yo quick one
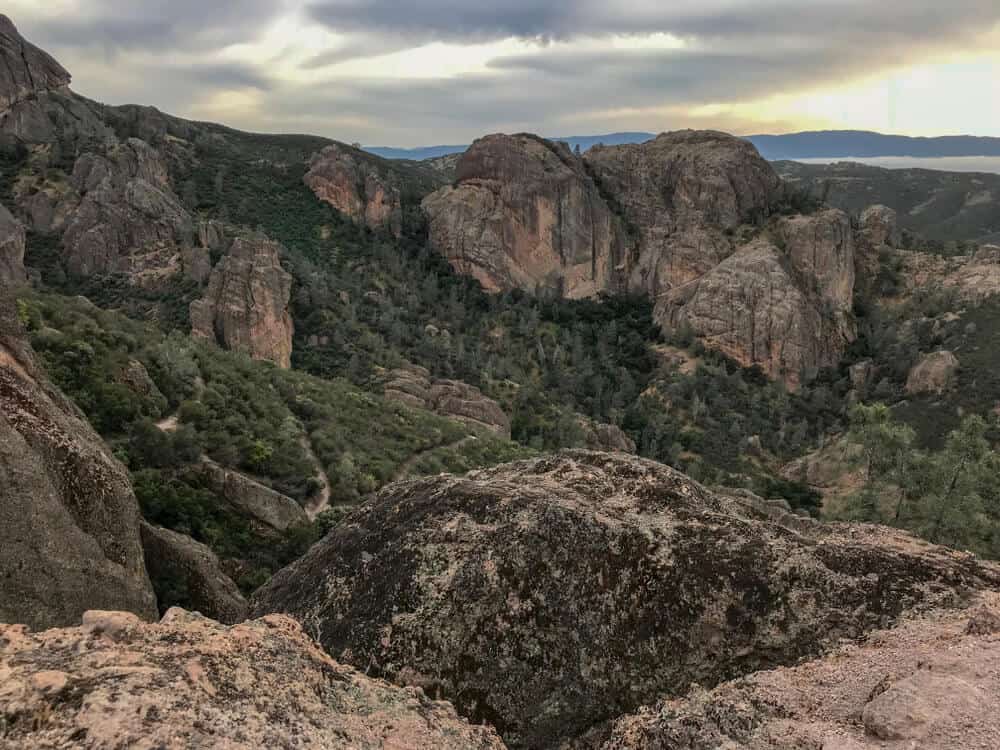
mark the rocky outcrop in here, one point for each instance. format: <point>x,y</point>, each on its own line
<point>186,572</point>
<point>933,373</point>
<point>835,471</point>
<point>413,385</point>
<point>679,219</point>
<point>69,521</point>
<point>684,193</point>
<point>12,240</point>
<point>245,306</point>
<point>36,104</point>
<point>253,499</point>
<point>922,685</point>
<point>524,214</point>
<point>353,183</point>
<point>189,682</point>
<point>753,308</point>
<point>877,233</point>
<point>548,596</point>
<point>128,219</point>
<point>606,437</point>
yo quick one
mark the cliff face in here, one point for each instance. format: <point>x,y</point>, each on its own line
<point>69,521</point>
<point>550,595</point>
<point>26,70</point>
<point>679,218</point>
<point>357,188</point>
<point>525,214</point>
<point>189,682</point>
<point>128,219</point>
<point>245,306</point>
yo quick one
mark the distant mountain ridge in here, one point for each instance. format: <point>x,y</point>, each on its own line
<point>832,144</point>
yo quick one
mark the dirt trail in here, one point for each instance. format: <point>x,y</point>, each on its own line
<point>321,501</point>
<point>407,466</point>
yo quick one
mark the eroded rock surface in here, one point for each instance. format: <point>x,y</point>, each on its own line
<point>245,306</point>
<point>414,386</point>
<point>525,214</point>
<point>183,569</point>
<point>69,521</point>
<point>933,682</point>
<point>12,239</point>
<point>189,682</point>
<point>354,185</point>
<point>548,596</point>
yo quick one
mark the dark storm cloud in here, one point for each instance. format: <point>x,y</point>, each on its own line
<point>457,20</point>
<point>167,25</point>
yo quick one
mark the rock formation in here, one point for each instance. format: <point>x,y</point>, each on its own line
<point>69,521</point>
<point>12,240</point>
<point>36,104</point>
<point>253,499</point>
<point>353,183</point>
<point>877,233</point>
<point>606,437</point>
<point>548,596</point>
<point>934,373</point>
<point>189,682</point>
<point>413,385</point>
<point>245,306</point>
<point>128,219</point>
<point>679,219</point>
<point>525,214</point>
<point>926,684</point>
<point>189,572</point>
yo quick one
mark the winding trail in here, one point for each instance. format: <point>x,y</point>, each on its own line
<point>321,501</point>
<point>407,466</point>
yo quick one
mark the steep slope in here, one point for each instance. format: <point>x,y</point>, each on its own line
<point>190,682</point>
<point>548,596</point>
<point>69,521</point>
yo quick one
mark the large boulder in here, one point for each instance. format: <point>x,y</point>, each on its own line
<point>550,595</point>
<point>933,373</point>
<point>26,71</point>
<point>187,572</point>
<point>12,241</point>
<point>524,213</point>
<point>253,499</point>
<point>922,685</point>
<point>189,682</point>
<point>69,521</point>
<point>353,183</point>
<point>245,306</point>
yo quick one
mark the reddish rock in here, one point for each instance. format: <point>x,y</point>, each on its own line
<point>355,185</point>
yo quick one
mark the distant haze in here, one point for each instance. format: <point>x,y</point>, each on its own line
<point>943,163</point>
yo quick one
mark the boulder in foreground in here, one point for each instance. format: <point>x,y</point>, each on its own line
<point>189,682</point>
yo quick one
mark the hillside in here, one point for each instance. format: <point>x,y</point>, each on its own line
<point>944,207</point>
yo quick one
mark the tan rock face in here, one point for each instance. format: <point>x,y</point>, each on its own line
<point>525,214</point>
<point>414,386</point>
<point>245,306</point>
<point>934,373</point>
<point>127,219</point>
<point>356,187</point>
<point>662,218</point>
<point>189,682</point>
<point>69,521</point>
<point>930,683</point>
<point>12,239</point>
<point>181,567</point>
<point>551,595</point>
<point>752,308</point>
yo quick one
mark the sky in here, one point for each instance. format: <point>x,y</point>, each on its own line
<point>424,72</point>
